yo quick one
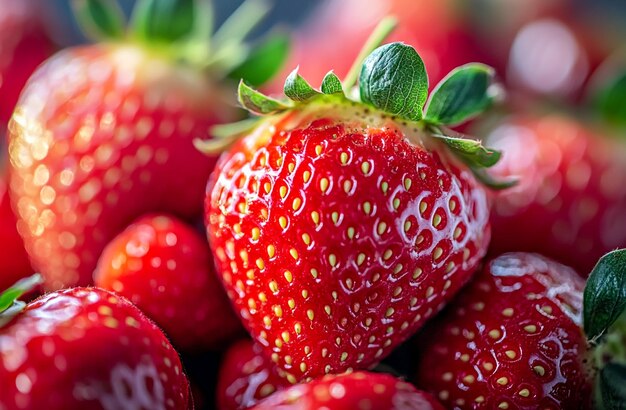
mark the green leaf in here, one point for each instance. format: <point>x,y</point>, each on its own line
<point>610,100</point>
<point>258,103</point>
<point>612,387</point>
<point>472,152</point>
<point>297,88</point>
<point>164,20</point>
<point>461,95</point>
<point>264,61</point>
<point>9,304</point>
<point>605,293</point>
<point>100,19</point>
<point>393,79</point>
<point>331,84</point>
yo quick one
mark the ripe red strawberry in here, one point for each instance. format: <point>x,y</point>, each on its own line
<point>359,390</point>
<point>88,348</point>
<point>570,203</point>
<point>103,134</point>
<point>14,263</point>
<point>512,340</point>
<point>165,268</point>
<point>24,44</point>
<point>340,227</point>
<point>245,377</point>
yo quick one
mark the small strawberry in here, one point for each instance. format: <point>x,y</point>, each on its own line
<point>245,377</point>
<point>341,226</point>
<point>514,338</point>
<point>14,263</point>
<point>103,133</point>
<point>24,44</point>
<point>359,390</point>
<point>570,203</point>
<point>165,268</point>
<point>85,348</point>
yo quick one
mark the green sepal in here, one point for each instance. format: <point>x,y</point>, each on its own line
<point>257,102</point>
<point>604,298</point>
<point>489,181</point>
<point>471,152</point>
<point>9,303</point>
<point>224,135</point>
<point>610,391</point>
<point>264,61</point>
<point>297,88</point>
<point>609,100</point>
<point>100,19</point>
<point>462,95</point>
<point>164,20</point>
<point>331,84</point>
<point>393,79</point>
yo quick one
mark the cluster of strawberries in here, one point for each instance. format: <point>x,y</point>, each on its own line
<point>345,222</point>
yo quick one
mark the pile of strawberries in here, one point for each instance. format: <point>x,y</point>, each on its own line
<point>344,246</point>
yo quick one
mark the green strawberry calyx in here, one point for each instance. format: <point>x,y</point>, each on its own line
<point>183,31</point>
<point>10,305</point>
<point>391,79</point>
<point>604,318</point>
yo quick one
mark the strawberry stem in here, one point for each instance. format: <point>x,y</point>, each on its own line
<point>228,39</point>
<point>382,30</point>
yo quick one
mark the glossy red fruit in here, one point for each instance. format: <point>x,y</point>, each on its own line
<point>570,202</point>
<point>246,377</point>
<point>359,390</point>
<point>14,263</point>
<point>434,28</point>
<point>512,339</point>
<point>165,268</point>
<point>88,348</point>
<point>24,44</point>
<point>102,135</point>
<point>337,238</point>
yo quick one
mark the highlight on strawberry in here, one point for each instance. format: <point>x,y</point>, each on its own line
<point>346,217</point>
<point>99,128</point>
<point>528,333</point>
<point>84,348</point>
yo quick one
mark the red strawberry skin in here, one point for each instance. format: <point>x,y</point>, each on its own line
<point>24,45</point>
<point>246,377</point>
<point>88,348</point>
<point>336,238</point>
<point>511,340</point>
<point>14,263</point>
<point>570,203</point>
<point>358,390</point>
<point>102,135</point>
<point>165,268</point>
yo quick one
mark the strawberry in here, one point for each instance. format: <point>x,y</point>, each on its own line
<point>24,44</point>
<point>358,390</point>
<point>87,348</point>
<point>571,198</point>
<point>512,340</point>
<point>119,117</point>
<point>245,377</point>
<point>165,268</point>
<point>341,226</point>
<point>14,263</point>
